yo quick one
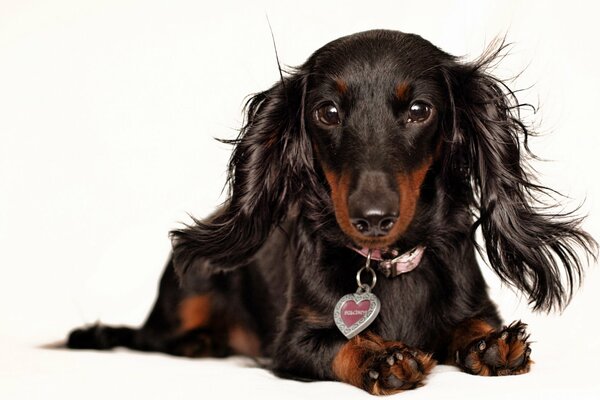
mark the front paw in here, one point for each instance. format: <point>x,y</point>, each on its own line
<point>396,369</point>
<point>505,352</point>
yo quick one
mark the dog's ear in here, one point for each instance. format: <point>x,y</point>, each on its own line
<point>527,242</point>
<point>270,164</point>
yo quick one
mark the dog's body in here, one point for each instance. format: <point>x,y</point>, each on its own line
<point>379,141</point>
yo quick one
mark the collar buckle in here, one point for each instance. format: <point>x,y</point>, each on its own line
<point>399,264</point>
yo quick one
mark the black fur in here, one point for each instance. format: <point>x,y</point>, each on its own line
<point>276,250</point>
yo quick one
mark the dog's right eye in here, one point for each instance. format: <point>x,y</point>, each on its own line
<point>328,115</point>
<point>418,112</point>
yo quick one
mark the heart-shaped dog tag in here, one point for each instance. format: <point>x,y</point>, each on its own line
<point>354,312</point>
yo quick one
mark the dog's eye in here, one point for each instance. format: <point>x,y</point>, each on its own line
<point>418,112</point>
<point>328,115</point>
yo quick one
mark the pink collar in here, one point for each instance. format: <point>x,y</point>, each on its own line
<point>390,263</point>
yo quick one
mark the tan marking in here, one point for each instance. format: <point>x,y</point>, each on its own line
<point>472,330</point>
<point>514,352</point>
<point>354,359</point>
<point>341,86</point>
<point>410,189</point>
<point>243,341</point>
<point>409,186</point>
<point>348,364</point>
<point>503,349</point>
<point>478,366</point>
<point>340,185</point>
<point>465,334</point>
<point>402,91</point>
<point>194,312</point>
<point>312,316</point>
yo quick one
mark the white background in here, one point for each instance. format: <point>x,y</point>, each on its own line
<point>108,111</point>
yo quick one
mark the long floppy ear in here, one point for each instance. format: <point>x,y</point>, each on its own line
<point>268,167</point>
<point>527,242</point>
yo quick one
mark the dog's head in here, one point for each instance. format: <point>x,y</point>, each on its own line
<point>377,135</point>
<point>374,109</point>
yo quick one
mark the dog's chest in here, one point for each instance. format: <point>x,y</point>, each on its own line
<point>404,311</point>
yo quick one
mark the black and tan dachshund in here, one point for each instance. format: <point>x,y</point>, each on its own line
<point>381,156</point>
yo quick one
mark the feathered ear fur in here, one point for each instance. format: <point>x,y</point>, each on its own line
<point>269,165</point>
<point>527,243</point>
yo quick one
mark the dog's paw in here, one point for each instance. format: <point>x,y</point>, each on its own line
<point>91,337</point>
<point>505,352</point>
<point>397,369</point>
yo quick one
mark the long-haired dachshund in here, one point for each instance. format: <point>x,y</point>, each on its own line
<point>346,249</point>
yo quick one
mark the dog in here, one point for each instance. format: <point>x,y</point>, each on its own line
<point>347,247</point>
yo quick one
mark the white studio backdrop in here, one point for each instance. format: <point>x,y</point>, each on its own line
<point>108,110</point>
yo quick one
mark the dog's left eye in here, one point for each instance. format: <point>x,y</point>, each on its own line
<point>328,115</point>
<point>418,112</point>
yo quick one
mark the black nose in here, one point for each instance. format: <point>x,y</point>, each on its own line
<point>374,222</point>
<point>373,205</point>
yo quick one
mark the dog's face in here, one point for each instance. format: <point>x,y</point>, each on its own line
<point>374,106</point>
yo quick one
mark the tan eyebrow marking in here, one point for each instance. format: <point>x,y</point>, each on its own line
<point>341,86</point>
<point>402,91</point>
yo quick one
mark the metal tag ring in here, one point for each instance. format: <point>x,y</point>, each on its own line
<point>373,278</point>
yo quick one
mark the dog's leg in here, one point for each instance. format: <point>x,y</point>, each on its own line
<point>479,349</point>
<point>367,361</point>
<point>381,367</point>
<point>181,323</point>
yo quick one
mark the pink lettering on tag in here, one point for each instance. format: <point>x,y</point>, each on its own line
<point>352,312</point>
